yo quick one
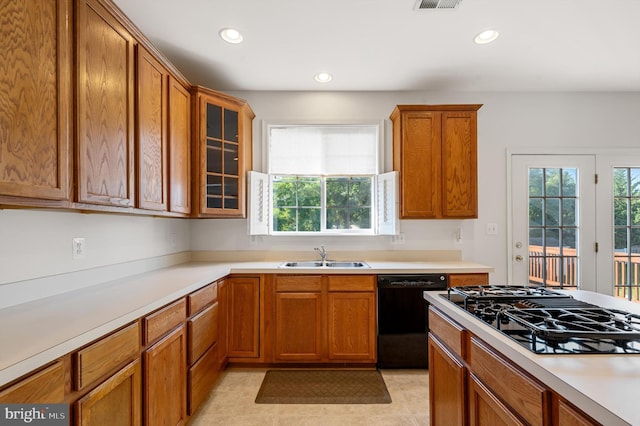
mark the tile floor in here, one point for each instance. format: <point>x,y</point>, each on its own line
<point>231,403</point>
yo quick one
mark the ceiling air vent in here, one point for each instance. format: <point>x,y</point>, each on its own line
<point>438,4</point>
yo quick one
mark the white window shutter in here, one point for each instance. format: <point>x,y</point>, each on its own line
<point>387,185</point>
<point>259,208</point>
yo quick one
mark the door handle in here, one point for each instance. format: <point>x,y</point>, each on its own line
<point>519,258</point>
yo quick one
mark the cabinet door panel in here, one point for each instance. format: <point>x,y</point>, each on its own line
<point>420,165</point>
<point>567,415</point>
<point>447,384</point>
<point>298,326</point>
<point>179,148</point>
<point>35,112</point>
<point>105,58</point>
<point>486,409</point>
<point>165,379</point>
<point>244,317</point>
<point>352,326</point>
<point>222,153</point>
<point>151,132</point>
<point>117,401</point>
<point>459,165</point>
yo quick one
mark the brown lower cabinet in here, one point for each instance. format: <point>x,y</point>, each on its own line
<point>155,370</point>
<point>472,383</point>
<point>203,337</point>
<point>447,405</point>
<point>165,375</point>
<point>243,317</point>
<point>323,318</point>
<point>116,401</point>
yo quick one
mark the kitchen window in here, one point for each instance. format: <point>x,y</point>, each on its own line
<point>322,179</point>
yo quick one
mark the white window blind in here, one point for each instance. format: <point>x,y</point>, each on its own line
<point>323,150</point>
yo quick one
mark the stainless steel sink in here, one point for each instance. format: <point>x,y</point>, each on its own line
<point>302,265</point>
<point>358,264</point>
<point>326,264</point>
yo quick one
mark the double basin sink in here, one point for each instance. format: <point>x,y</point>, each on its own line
<point>325,264</point>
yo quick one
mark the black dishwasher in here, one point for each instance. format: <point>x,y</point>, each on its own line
<point>403,320</point>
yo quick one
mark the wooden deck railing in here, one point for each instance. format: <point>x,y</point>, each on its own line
<point>562,271</point>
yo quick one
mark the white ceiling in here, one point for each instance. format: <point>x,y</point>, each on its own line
<point>388,45</point>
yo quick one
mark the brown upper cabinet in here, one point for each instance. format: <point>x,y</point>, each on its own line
<point>435,153</point>
<point>105,107</point>
<point>36,96</point>
<point>221,153</point>
<point>179,147</point>
<point>163,118</point>
<point>151,131</point>
<point>94,117</point>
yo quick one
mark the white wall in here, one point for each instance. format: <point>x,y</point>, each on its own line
<point>555,121</point>
<point>38,243</point>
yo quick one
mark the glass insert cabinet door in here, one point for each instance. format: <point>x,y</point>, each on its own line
<point>222,158</point>
<point>223,153</point>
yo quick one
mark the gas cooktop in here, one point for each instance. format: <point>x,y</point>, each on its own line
<point>550,322</point>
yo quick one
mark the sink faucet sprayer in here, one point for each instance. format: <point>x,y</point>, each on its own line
<point>322,252</point>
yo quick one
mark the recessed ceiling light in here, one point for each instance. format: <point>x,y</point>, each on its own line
<point>231,35</point>
<point>323,77</point>
<point>486,36</point>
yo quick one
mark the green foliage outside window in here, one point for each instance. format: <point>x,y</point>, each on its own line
<point>297,203</point>
<point>626,209</point>
<point>552,207</point>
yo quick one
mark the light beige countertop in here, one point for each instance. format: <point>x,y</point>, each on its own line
<point>37,332</point>
<point>603,386</point>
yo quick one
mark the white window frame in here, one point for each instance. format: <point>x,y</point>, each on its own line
<point>384,192</point>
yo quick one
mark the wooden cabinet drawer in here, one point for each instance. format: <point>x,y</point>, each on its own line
<point>458,280</point>
<point>162,321</point>
<point>512,386</point>
<point>43,387</point>
<point>201,298</point>
<point>107,354</point>
<point>298,283</point>
<point>203,332</point>
<point>201,377</point>
<point>448,332</point>
<point>352,282</point>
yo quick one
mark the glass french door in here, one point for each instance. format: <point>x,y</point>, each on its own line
<point>553,232</point>
<point>619,235</point>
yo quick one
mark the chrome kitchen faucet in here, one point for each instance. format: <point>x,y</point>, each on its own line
<point>322,252</point>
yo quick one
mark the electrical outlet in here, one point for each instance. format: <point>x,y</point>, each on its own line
<point>173,240</point>
<point>492,229</point>
<point>79,249</point>
<point>397,239</point>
